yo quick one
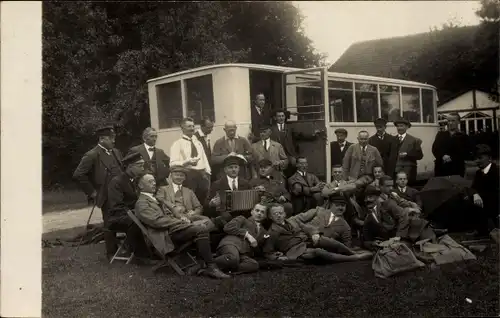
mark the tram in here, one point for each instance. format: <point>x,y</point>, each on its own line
<point>227,91</point>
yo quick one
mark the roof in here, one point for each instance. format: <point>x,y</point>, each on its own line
<point>460,93</point>
<point>281,69</point>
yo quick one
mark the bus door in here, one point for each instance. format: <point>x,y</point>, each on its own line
<point>304,95</point>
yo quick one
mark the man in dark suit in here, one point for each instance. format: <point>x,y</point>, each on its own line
<point>260,115</point>
<point>486,190</point>
<point>406,192</point>
<point>383,142</point>
<point>339,148</point>
<point>288,137</point>
<point>305,188</point>
<point>203,135</point>
<point>451,148</point>
<point>155,158</point>
<point>244,235</point>
<point>95,170</point>
<point>407,152</point>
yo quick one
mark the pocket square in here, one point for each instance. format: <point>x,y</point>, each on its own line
<point>266,236</point>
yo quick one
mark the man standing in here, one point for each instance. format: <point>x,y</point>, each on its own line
<point>260,116</point>
<point>360,158</point>
<point>451,148</point>
<point>339,148</point>
<point>269,149</point>
<point>203,135</point>
<point>189,153</point>
<point>231,143</point>
<point>155,158</point>
<point>96,169</point>
<point>407,152</point>
<point>383,142</point>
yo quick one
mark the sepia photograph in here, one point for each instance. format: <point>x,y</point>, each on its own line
<point>261,159</point>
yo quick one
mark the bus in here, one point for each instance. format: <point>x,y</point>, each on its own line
<point>227,91</point>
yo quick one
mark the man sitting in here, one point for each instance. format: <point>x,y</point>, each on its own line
<point>385,219</point>
<point>405,192</point>
<point>292,239</point>
<point>305,187</point>
<point>271,183</point>
<point>182,201</point>
<point>386,185</point>
<point>167,229</point>
<point>378,172</point>
<point>244,236</point>
<point>338,180</point>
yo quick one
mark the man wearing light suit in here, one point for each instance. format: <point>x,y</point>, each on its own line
<point>360,158</point>
<point>270,150</point>
<point>407,151</point>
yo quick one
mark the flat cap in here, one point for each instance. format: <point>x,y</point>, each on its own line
<point>178,168</point>
<point>338,198</point>
<point>106,131</point>
<point>281,110</point>
<point>131,158</point>
<point>371,190</point>
<point>264,126</point>
<point>340,131</point>
<point>265,163</point>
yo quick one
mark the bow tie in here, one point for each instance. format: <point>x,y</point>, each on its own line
<point>342,145</point>
<point>151,149</point>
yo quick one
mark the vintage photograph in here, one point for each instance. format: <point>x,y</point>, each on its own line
<point>264,159</point>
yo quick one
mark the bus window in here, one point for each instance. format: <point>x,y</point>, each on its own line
<point>411,104</point>
<point>200,97</point>
<point>169,97</point>
<point>309,102</point>
<point>428,105</point>
<point>366,102</point>
<point>389,102</point>
<point>341,103</point>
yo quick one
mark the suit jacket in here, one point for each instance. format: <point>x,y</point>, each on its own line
<point>222,149</point>
<point>274,185</point>
<point>412,146</point>
<point>310,180</point>
<point>236,230</point>
<point>206,147</point>
<point>336,153</point>
<point>410,194</point>
<point>487,186</point>
<point>338,230</point>
<point>352,161</point>
<point>288,138</point>
<point>92,172</point>
<point>275,153</point>
<point>258,120</point>
<point>159,163</point>
<point>122,195</point>
<point>392,221</point>
<point>158,223</point>
<point>384,146</point>
<point>166,195</point>
<point>458,147</point>
<point>223,185</point>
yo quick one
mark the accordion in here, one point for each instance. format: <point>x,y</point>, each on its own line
<point>241,200</point>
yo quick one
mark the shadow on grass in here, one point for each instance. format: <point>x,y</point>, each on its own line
<point>88,286</point>
<point>60,200</point>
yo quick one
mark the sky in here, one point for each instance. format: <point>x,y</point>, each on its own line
<point>334,25</point>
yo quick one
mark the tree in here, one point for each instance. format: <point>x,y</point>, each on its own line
<point>489,11</point>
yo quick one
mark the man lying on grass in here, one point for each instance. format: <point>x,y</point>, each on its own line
<point>166,229</point>
<point>293,238</point>
<point>243,240</point>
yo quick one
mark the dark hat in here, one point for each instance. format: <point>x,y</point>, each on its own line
<point>380,122</point>
<point>178,168</point>
<point>234,159</point>
<point>106,131</point>
<point>402,121</point>
<point>131,158</point>
<point>264,126</point>
<point>340,131</point>
<point>338,198</point>
<point>483,149</point>
<point>371,190</point>
<point>281,110</point>
<point>265,163</point>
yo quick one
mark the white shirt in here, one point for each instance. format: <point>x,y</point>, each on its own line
<point>180,153</point>
<point>258,110</point>
<point>363,148</point>
<point>267,143</point>
<point>281,127</point>
<point>402,137</point>
<point>402,190</point>
<point>302,173</point>
<point>342,145</point>
<point>230,182</point>
<point>150,195</point>
<point>487,169</point>
<point>332,218</point>
<point>150,153</point>
<point>108,152</point>
<point>375,214</point>
<point>177,187</point>
<point>381,136</point>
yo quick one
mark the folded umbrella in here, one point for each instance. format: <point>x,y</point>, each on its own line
<point>440,190</point>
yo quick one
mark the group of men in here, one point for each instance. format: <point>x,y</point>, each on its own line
<point>178,198</point>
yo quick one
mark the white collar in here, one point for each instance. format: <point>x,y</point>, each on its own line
<point>148,146</point>
<point>235,137</point>
<point>487,169</point>
<point>193,138</point>
<point>380,136</point>
<point>268,140</point>
<point>230,180</point>
<point>363,147</point>
<point>403,136</point>
<point>342,143</point>
<point>402,189</point>
<point>207,137</point>
<point>108,151</point>
<point>149,195</point>
<point>177,186</point>
<point>302,173</point>
<point>259,109</point>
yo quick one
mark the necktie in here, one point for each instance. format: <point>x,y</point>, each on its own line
<point>208,142</point>
<point>363,161</point>
<point>178,193</point>
<point>265,145</point>
<point>258,228</point>
<point>400,139</point>
<point>231,144</point>
<point>194,151</point>
<point>152,149</point>
<point>233,185</point>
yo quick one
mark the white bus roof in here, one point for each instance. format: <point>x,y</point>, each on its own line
<point>272,68</point>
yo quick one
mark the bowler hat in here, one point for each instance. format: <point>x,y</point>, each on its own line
<point>131,158</point>
<point>402,121</point>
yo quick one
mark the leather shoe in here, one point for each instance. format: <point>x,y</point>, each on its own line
<point>214,272</point>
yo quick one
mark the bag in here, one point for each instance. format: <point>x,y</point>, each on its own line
<point>395,257</point>
<point>445,251</point>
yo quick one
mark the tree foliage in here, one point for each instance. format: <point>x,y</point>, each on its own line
<point>97,57</point>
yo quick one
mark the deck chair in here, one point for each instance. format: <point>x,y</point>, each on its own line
<point>122,242</point>
<point>179,259</point>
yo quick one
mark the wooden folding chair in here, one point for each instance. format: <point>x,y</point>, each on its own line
<point>123,240</point>
<point>175,259</point>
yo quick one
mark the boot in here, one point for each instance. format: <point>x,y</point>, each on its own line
<point>213,271</point>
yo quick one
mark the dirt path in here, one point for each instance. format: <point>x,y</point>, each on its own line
<point>68,219</point>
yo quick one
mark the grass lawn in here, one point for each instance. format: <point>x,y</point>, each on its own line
<point>60,200</point>
<point>89,287</point>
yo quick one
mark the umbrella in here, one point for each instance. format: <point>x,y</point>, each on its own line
<point>440,190</point>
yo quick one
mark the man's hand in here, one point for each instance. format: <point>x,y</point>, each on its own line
<point>215,201</point>
<point>478,200</point>
<point>191,213</point>
<point>446,159</point>
<point>277,164</point>
<point>92,197</point>
<point>321,185</point>
<point>281,199</point>
<point>253,242</point>
<point>403,154</point>
<point>315,238</point>
<point>282,258</point>
<point>193,161</point>
<point>260,188</point>
<point>185,219</point>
